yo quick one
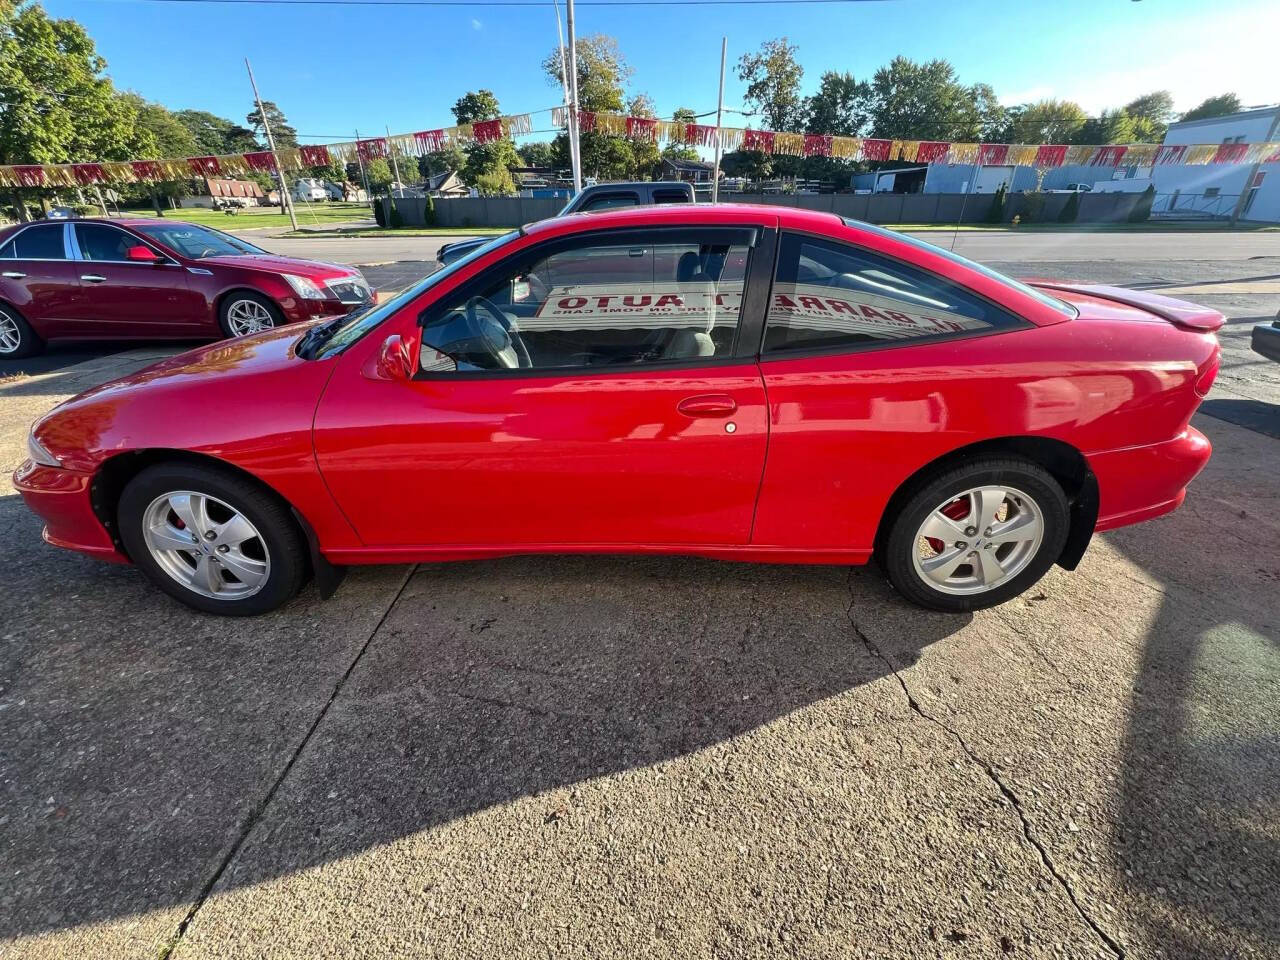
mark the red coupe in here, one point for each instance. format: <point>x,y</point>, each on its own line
<point>748,383</point>
<point>154,280</point>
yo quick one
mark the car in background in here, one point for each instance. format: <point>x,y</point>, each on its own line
<point>61,213</point>
<point>155,280</point>
<point>1266,339</point>
<point>600,196</point>
<point>754,383</point>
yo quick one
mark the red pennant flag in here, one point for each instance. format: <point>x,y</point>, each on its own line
<point>817,145</point>
<point>761,140</point>
<point>1231,153</point>
<point>204,166</point>
<point>261,160</point>
<point>30,175</point>
<point>1051,155</point>
<point>700,133</point>
<point>87,173</point>
<point>586,121</point>
<point>486,131</point>
<point>1171,154</point>
<point>1109,156</point>
<point>430,141</point>
<point>374,148</point>
<point>315,156</point>
<point>642,128</point>
<point>931,151</point>
<point>876,149</point>
<point>147,170</point>
<point>992,154</point>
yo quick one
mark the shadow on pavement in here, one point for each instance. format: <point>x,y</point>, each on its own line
<point>139,737</point>
<point>1255,415</point>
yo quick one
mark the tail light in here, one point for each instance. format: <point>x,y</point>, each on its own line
<point>1208,373</point>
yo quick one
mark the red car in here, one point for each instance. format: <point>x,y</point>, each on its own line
<point>747,383</point>
<point>154,280</point>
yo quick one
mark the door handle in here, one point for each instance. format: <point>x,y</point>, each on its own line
<point>93,278</point>
<point>14,274</point>
<point>635,252</point>
<point>708,405</point>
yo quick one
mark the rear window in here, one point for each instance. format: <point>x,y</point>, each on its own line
<point>42,242</point>
<point>670,196</point>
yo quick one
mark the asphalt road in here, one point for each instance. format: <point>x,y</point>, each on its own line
<point>612,757</point>
<point>979,245</point>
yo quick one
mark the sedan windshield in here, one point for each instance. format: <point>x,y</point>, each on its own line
<point>336,335</point>
<point>196,242</point>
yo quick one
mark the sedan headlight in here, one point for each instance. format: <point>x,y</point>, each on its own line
<point>39,454</point>
<point>304,287</point>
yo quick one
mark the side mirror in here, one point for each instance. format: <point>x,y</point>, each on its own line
<point>394,362</point>
<point>142,254</point>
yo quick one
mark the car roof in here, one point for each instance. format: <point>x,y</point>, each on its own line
<point>680,213</point>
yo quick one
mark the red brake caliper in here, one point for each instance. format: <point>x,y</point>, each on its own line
<point>957,509</point>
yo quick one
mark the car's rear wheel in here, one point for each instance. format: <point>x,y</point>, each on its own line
<point>244,312</point>
<point>17,339</point>
<point>211,539</point>
<point>976,535</point>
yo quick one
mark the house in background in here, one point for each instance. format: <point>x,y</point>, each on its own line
<point>690,171</point>
<point>446,184</point>
<point>225,193</point>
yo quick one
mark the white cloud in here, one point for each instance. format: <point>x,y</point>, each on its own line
<point>1029,95</point>
<point>476,24</point>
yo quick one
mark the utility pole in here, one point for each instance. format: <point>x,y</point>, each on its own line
<point>284,188</point>
<point>715,173</point>
<point>571,131</point>
<point>573,92</point>
<point>360,163</point>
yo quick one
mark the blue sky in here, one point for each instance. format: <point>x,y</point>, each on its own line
<point>332,69</point>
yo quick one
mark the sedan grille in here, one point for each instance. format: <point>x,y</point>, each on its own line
<point>349,290</point>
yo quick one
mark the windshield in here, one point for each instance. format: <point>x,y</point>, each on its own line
<point>336,335</point>
<point>198,242</point>
<point>1048,301</point>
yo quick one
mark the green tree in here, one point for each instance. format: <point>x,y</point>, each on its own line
<point>335,171</point>
<point>476,105</point>
<point>378,172</point>
<point>602,73</point>
<point>1112,126</point>
<point>538,154</point>
<point>1223,105</point>
<point>1151,114</point>
<point>1047,121</point>
<point>922,101</point>
<point>681,151</point>
<point>496,183</point>
<point>281,131</point>
<point>646,157</point>
<point>158,134</point>
<point>841,106</point>
<point>981,114</point>
<point>450,158</point>
<point>772,75</point>
<point>214,134</point>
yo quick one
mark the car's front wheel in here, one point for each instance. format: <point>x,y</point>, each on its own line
<point>244,312</point>
<point>17,339</point>
<point>212,539</point>
<point>976,535</point>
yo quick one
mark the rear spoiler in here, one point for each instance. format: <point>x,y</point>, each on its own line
<point>1180,313</point>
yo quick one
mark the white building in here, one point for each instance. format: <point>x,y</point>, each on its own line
<point>1255,187</point>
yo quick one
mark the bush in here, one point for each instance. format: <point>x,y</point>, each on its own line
<point>1071,209</point>
<point>429,212</point>
<point>397,221</point>
<point>87,210</point>
<point>1031,206</point>
<point>496,183</point>
<point>1141,211</point>
<point>380,212</point>
<point>996,213</point>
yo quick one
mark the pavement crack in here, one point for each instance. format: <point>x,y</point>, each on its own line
<point>255,814</point>
<point>874,649</point>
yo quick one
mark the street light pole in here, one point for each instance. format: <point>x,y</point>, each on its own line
<point>285,199</point>
<point>571,129</point>
<point>573,93</point>
<point>715,174</point>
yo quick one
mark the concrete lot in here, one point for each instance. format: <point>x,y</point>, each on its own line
<point>650,757</point>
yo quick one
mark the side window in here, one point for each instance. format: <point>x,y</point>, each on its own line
<point>670,196</point>
<point>608,200</point>
<point>616,302</point>
<point>99,242</point>
<point>828,294</point>
<point>41,242</point>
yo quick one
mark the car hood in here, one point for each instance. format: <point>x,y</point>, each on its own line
<point>205,399</point>
<point>311,269</point>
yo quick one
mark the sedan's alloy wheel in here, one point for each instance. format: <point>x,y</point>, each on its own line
<point>206,545</point>
<point>10,335</point>
<point>248,316</point>
<point>978,540</point>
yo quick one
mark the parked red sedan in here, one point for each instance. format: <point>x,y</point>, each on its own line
<point>747,383</point>
<point>154,279</point>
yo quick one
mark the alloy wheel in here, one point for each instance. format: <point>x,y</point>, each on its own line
<point>978,540</point>
<point>248,316</point>
<point>10,335</point>
<point>206,545</point>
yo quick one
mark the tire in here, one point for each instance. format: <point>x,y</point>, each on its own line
<point>1021,558</point>
<point>17,339</point>
<point>238,305</point>
<point>250,576</point>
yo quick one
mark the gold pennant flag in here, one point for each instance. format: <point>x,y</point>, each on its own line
<point>1200,154</point>
<point>1022,154</point>
<point>1141,154</point>
<point>789,144</point>
<point>963,153</point>
<point>1078,154</point>
<point>847,147</point>
<point>611,123</point>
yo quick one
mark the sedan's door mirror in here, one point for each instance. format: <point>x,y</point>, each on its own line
<point>140,253</point>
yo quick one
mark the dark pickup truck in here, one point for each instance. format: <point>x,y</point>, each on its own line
<point>601,196</point>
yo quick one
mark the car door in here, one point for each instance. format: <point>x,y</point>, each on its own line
<point>131,298</point>
<point>39,278</point>
<point>622,410</point>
